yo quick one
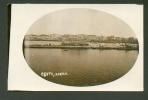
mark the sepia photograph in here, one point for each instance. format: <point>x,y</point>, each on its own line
<point>78,46</point>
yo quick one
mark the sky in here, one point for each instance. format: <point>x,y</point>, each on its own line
<point>81,21</point>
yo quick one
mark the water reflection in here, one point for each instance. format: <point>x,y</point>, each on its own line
<point>85,67</point>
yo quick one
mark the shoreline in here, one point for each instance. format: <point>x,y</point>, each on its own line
<point>82,47</point>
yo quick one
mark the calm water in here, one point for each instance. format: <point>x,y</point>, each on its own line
<point>83,67</point>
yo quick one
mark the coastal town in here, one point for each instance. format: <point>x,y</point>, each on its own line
<point>80,41</point>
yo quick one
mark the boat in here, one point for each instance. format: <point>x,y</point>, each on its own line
<point>65,50</point>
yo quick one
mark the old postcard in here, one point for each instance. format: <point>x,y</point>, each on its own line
<point>76,47</point>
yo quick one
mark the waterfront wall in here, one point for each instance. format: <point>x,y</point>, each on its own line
<point>90,45</point>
